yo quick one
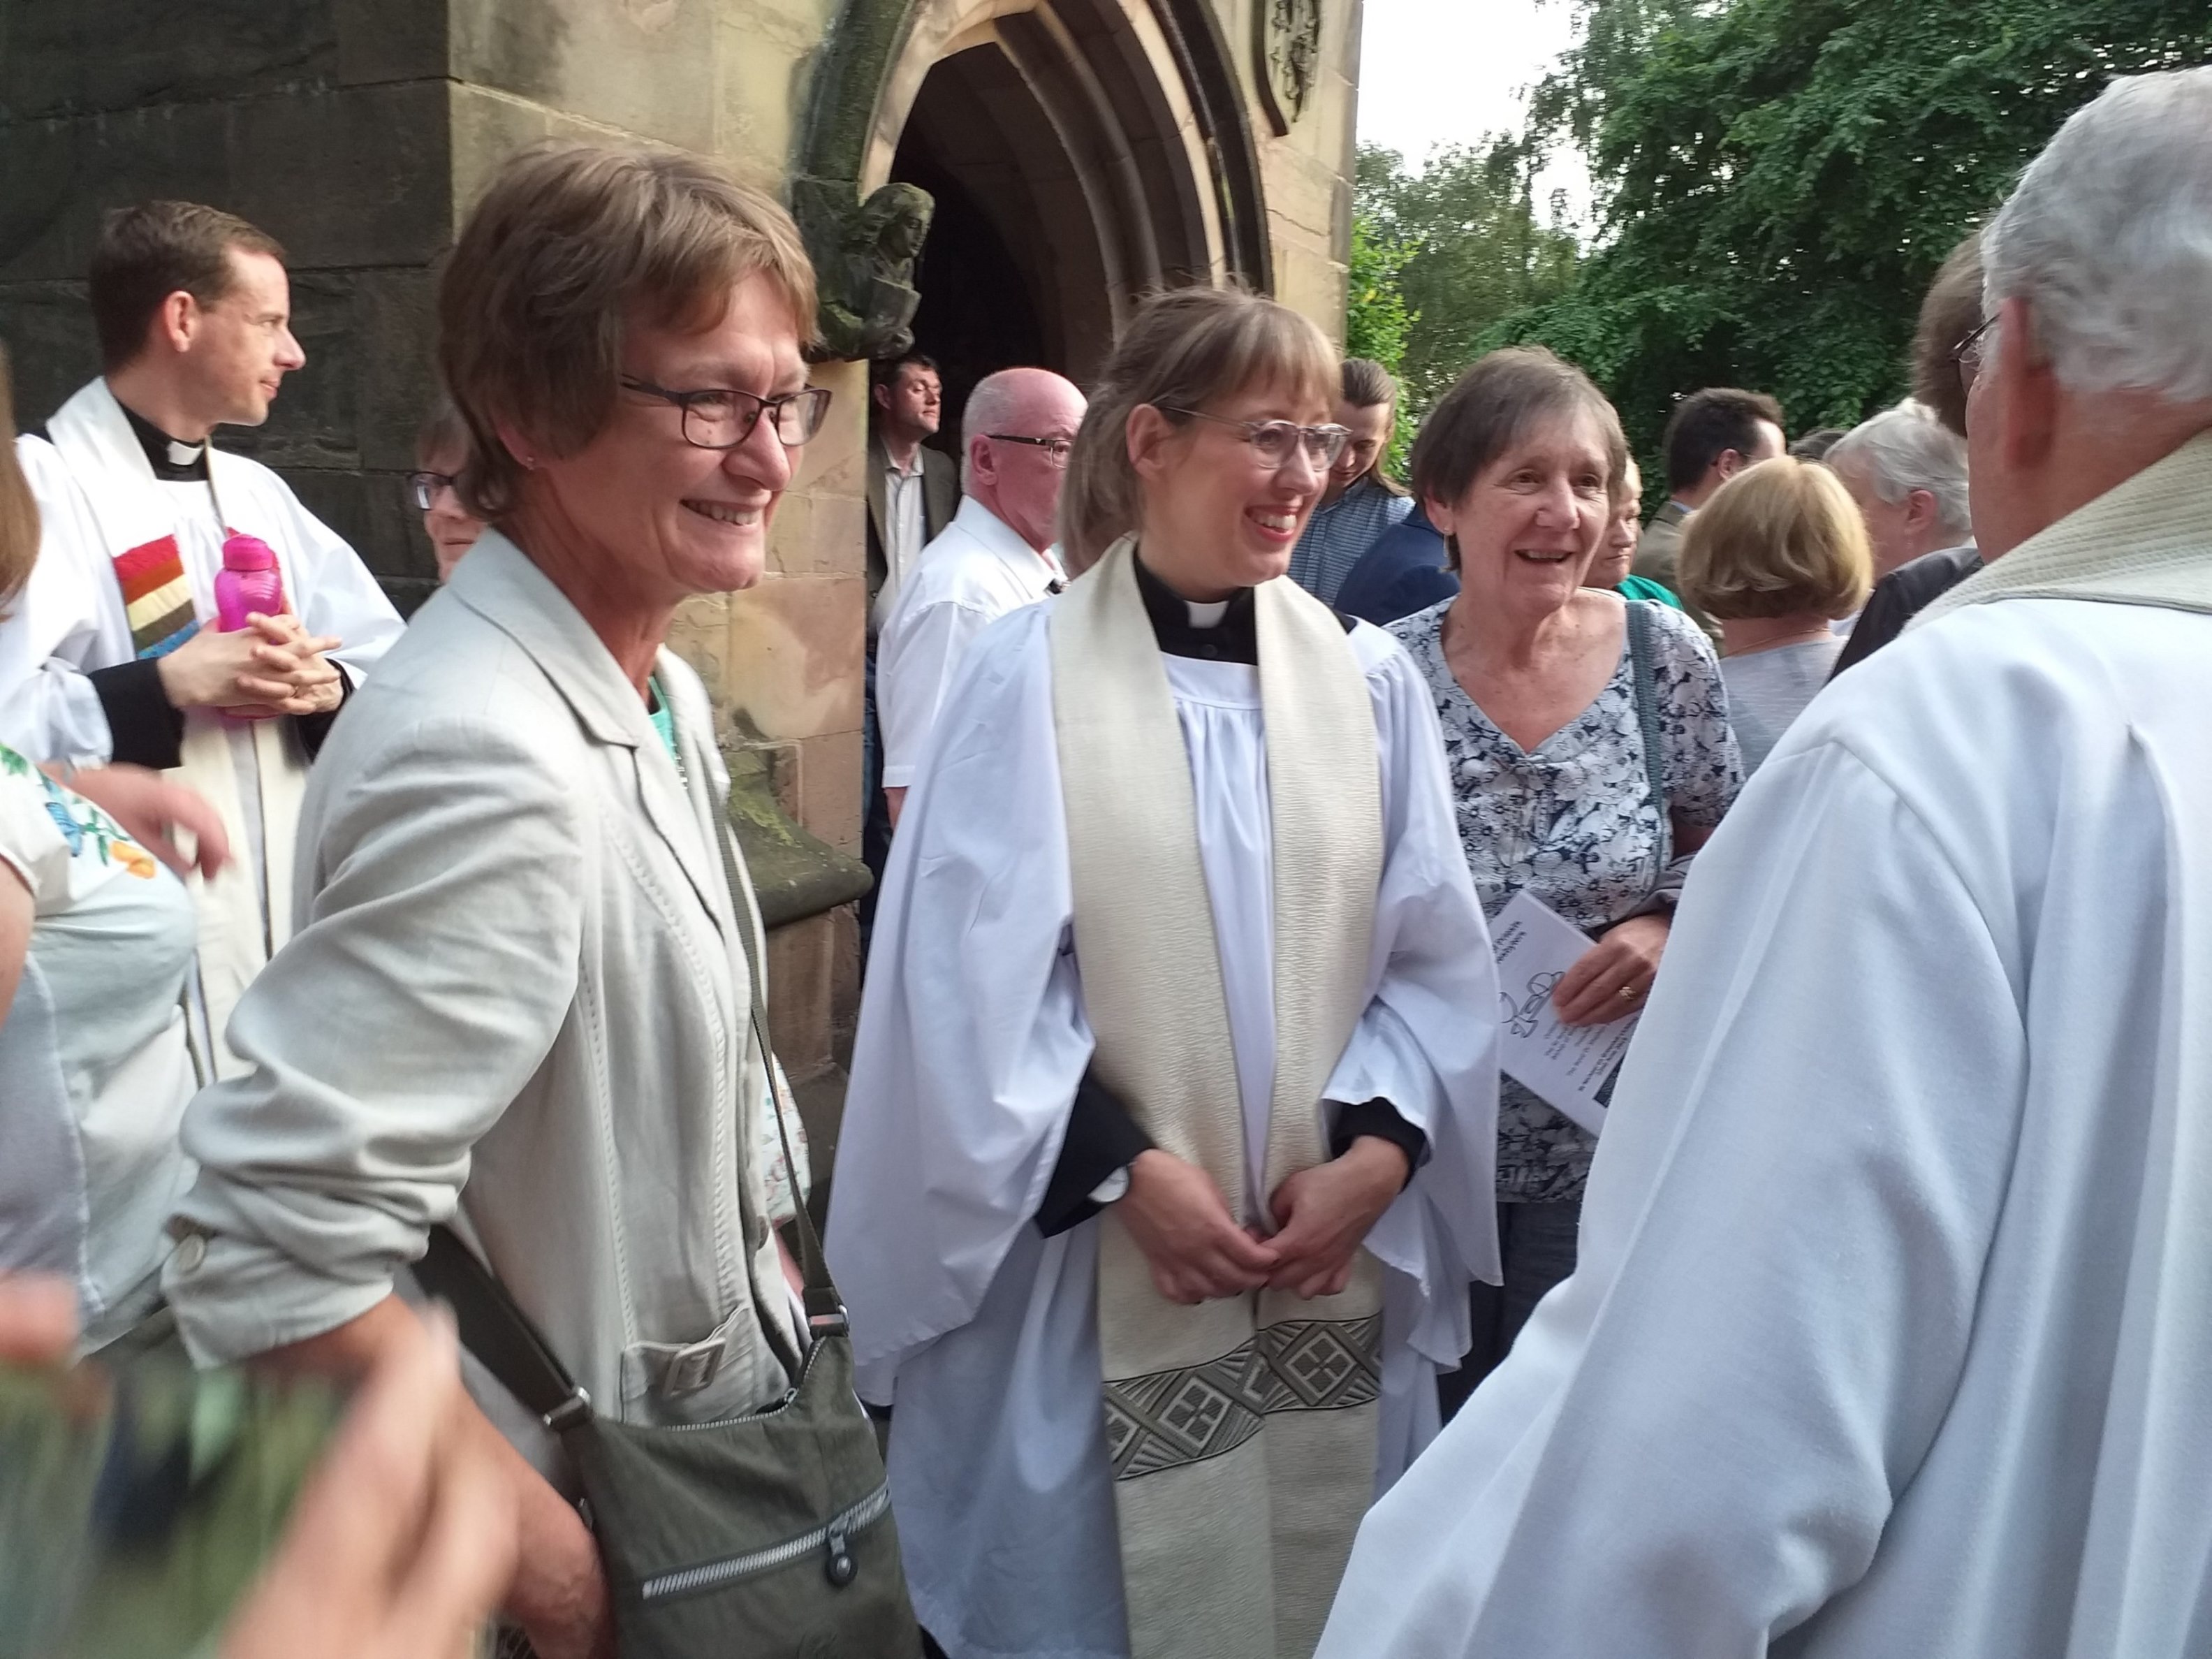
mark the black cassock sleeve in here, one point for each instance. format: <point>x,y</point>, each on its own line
<point>1379,1118</point>
<point>1101,1137</point>
<point>143,730</point>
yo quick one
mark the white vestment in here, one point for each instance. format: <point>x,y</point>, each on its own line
<point>975,571</point>
<point>70,621</point>
<point>1889,1334</point>
<point>972,1040</point>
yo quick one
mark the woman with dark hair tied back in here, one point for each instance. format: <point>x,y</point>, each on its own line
<point>1587,742</point>
<point>525,995</point>
<point>1167,1161</point>
<point>1361,499</point>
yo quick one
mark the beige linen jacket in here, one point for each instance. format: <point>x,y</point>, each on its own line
<point>516,988</point>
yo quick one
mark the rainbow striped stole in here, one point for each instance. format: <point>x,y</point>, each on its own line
<point>156,601</point>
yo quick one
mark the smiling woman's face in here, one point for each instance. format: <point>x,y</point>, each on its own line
<point>1216,517</point>
<point>1529,524</point>
<point>664,517</point>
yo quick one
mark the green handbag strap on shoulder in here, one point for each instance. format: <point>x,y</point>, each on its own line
<point>1647,721</point>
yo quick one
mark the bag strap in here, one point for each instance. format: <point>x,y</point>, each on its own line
<point>1647,721</point>
<point>498,1332</point>
<point>825,1308</point>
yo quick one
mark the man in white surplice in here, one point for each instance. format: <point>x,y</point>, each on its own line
<point>995,556</point>
<point>994,1164</point>
<point>112,654</point>
<point>1893,1320</point>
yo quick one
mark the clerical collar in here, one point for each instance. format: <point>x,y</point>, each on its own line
<point>1231,637</point>
<point>173,462</point>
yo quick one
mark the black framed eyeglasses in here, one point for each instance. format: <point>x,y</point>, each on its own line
<point>424,488</point>
<point>722,417</point>
<point>1276,441</point>
<point>1968,353</point>
<point>1056,450</point>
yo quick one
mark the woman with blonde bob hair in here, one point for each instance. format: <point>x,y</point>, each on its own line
<point>1777,555</point>
<point>1176,1057</point>
<point>522,994</point>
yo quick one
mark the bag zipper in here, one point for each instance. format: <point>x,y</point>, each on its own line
<point>833,1534</point>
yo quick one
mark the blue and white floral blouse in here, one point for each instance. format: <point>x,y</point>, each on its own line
<point>1575,824</point>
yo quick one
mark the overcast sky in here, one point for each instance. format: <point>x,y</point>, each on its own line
<point>1446,71</point>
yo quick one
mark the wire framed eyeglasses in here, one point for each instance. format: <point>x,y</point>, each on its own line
<point>722,417</point>
<point>1276,441</point>
<point>1056,450</point>
<point>1973,347</point>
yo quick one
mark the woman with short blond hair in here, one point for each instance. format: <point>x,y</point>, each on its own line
<point>1175,1068</point>
<point>1778,554</point>
<point>522,997</point>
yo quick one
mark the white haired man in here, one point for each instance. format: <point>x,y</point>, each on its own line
<point>1888,1333</point>
<point>995,556</point>
<point>1907,471</point>
<point>1949,314</point>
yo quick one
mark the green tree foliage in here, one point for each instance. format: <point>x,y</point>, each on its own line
<point>1779,178</point>
<point>1468,249</point>
<point>1376,320</point>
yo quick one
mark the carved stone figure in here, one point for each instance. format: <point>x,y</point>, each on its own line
<point>1289,57</point>
<point>865,267</point>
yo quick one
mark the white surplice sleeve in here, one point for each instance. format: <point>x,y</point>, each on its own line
<point>1696,1441</point>
<point>1428,1040</point>
<point>972,1037</point>
<point>916,680</point>
<point>53,631</point>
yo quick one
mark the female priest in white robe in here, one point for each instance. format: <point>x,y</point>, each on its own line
<point>975,1155</point>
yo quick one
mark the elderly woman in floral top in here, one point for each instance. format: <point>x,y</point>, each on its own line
<point>1575,782</point>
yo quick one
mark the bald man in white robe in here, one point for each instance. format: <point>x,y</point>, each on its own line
<point>1893,1326</point>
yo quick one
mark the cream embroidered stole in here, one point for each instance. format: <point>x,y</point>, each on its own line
<point>2147,540</point>
<point>236,935</point>
<point>1242,1431</point>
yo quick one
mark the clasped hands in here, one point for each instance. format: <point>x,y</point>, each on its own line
<point>1197,1252</point>
<point>271,666</point>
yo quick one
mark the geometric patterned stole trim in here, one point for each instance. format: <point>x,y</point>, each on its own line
<point>1193,1413</point>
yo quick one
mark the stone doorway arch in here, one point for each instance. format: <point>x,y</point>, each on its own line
<point>1081,152</point>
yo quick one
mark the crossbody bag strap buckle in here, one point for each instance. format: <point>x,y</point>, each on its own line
<point>825,1312</point>
<point>576,1408</point>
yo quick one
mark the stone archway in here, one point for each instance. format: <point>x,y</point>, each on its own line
<point>1088,149</point>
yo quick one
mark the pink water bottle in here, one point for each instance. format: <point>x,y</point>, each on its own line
<point>249,581</point>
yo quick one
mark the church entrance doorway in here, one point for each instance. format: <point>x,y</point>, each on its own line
<point>1080,152</point>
